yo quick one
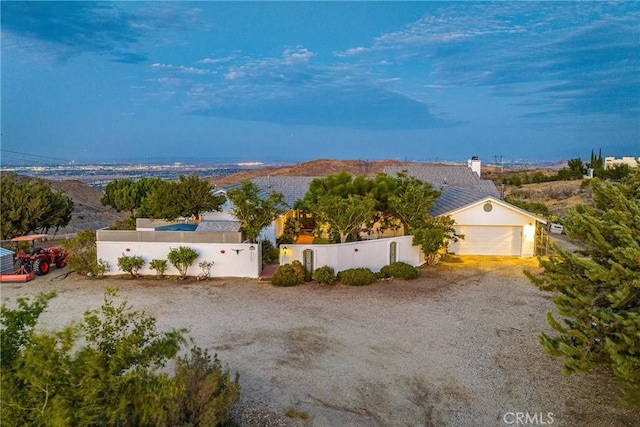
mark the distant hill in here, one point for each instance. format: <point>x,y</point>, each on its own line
<point>320,167</point>
<point>88,212</point>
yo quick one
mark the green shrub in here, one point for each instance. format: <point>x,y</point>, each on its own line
<point>182,258</point>
<point>301,271</point>
<point>357,277</point>
<point>130,264</point>
<point>128,223</point>
<point>399,270</point>
<point>287,275</point>
<point>81,252</point>
<point>159,265</point>
<point>325,275</point>
<point>208,391</point>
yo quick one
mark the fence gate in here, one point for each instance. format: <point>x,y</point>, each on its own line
<point>393,252</point>
<point>307,256</point>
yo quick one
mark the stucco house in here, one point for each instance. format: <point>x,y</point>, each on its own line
<point>490,225</point>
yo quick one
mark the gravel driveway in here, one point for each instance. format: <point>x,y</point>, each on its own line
<point>456,347</point>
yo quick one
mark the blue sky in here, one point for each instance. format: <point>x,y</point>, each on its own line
<point>292,81</point>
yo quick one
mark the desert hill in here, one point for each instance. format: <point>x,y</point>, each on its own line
<point>88,212</point>
<point>320,167</point>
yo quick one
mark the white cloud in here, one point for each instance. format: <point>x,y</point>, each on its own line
<point>181,68</point>
<point>300,54</point>
<point>212,61</point>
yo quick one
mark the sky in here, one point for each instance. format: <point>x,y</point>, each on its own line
<point>295,81</point>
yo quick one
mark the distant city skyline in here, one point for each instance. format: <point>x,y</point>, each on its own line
<point>294,81</point>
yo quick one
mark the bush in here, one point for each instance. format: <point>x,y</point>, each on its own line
<point>357,277</point>
<point>301,271</point>
<point>159,265</point>
<point>208,391</point>
<point>182,258</point>
<point>107,370</point>
<point>399,270</point>
<point>324,275</point>
<point>81,252</point>
<point>287,275</point>
<point>130,264</point>
<point>128,223</point>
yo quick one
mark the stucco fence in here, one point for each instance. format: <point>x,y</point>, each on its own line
<point>229,259</point>
<point>372,254</point>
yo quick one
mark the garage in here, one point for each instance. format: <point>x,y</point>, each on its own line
<point>490,240</point>
<point>490,226</point>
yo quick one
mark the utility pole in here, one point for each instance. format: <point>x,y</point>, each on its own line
<point>496,156</point>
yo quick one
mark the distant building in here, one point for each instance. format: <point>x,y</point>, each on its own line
<point>610,162</point>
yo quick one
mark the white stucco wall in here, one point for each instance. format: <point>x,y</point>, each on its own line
<point>227,262</point>
<point>372,254</point>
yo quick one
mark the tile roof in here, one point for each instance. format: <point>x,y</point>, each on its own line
<point>219,226</point>
<point>292,187</point>
<point>442,176</point>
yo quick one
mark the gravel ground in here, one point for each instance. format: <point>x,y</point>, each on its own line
<point>456,347</point>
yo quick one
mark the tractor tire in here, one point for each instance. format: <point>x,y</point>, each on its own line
<point>61,262</point>
<point>19,263</point>
<point>41,266</point>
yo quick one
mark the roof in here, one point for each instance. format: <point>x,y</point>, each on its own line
<point>443,176</point>
<point>219,226</point>
<point>485,199</point>
<point>4,252</point>
<point>293,188</point>
<point>29,238</point>
<point>453,198</point>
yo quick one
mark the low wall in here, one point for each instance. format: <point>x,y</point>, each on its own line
<point>169,236</point>
<point>230,260</point>
<point>372,254</point>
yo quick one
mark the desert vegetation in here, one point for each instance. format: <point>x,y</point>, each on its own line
<point>106,370</point>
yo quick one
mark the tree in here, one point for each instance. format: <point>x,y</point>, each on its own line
<point>253,211</point>
<point>31,205</point>
<point>128,195</point>
<point>433,236</point>
<point>345,215</point>
<point>131,264</point>
<point>413,201</point>
<point>597,290</point>
<point>188,197</point>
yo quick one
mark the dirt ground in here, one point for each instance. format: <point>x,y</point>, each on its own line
<point>456,347</point>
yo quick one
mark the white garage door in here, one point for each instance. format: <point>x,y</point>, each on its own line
<point>490,240</point>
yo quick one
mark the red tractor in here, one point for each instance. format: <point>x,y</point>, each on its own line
<point>39,260</point>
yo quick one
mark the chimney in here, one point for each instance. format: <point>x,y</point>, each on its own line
<point>474,165</point>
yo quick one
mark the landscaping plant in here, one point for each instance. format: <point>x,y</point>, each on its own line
<point>130,264</point>
<point>182,258</point>
<point>287,275</point>
<point>159,265</point>
<point>324,275</point>
<point>357,276</point>
<point>399,270</point>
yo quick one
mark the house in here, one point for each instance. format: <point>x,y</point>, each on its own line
<point>610,162</point>
<point>490,225</point>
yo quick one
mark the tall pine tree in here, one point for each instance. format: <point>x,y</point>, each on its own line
<point>597,290</point>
